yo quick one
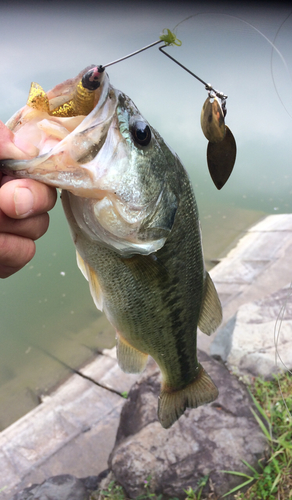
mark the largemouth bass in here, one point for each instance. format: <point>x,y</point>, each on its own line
<point>134,222</point>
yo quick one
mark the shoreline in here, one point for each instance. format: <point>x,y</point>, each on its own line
<point>80,418</point>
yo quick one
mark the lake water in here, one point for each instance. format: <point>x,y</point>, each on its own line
<point>47,314</point>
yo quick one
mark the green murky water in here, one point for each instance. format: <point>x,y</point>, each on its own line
<point>46,309</point>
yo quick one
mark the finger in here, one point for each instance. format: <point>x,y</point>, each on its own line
<point>15,253</point>
<point>32,227</point>
<point>22,198</point>
<point>5,178</point>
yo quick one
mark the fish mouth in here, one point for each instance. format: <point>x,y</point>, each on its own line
<point>44,168</point>
<point>67,164</point>
<point>102,170</point>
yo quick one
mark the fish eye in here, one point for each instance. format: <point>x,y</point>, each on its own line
<point>141,133</point>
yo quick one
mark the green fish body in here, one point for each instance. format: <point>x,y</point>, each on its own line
<point>134,222</point>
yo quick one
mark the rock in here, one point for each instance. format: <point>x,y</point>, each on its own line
<point>247,341</point>
<point>203,441</point>
<point>62,487</point>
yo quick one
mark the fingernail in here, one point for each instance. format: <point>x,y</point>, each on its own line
<point>23,199</point>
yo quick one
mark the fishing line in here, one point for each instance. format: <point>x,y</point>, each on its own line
<point>77,372</point>
<point>274,48</point>
<point>283,309</point>
<point>221,149</point>
<point>272,73</point>
<point>281,314</point>
<point>169,38</point>
<point>280,318</point>
<point>245,22</point>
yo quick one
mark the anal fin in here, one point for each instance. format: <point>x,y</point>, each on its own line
<point>211,310</point>
<point>172,404</point>
<point>130,359</point>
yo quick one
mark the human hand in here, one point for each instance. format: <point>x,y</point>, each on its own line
<point>23,218</point>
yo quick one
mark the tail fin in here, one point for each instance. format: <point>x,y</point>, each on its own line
<point>172,404</point>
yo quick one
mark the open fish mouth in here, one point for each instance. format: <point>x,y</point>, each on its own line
<point>100,158</point>
<point>65,145</point>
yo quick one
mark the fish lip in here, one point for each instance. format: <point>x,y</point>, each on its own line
<point>28,166</point>
<point>14,167</point>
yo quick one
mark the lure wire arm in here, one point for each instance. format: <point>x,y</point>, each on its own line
<point>212,92</point>
<point>208,86</point>
<point>130,55</point>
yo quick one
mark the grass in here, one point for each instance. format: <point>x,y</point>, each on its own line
<point>273,478</point>
<point>116,492</point>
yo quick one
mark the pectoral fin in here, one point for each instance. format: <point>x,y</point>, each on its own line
<point>211,310</point>
<point>89,274</point>
<point>172,404</point>
<point>130,359</point>
<point>82,266</point>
